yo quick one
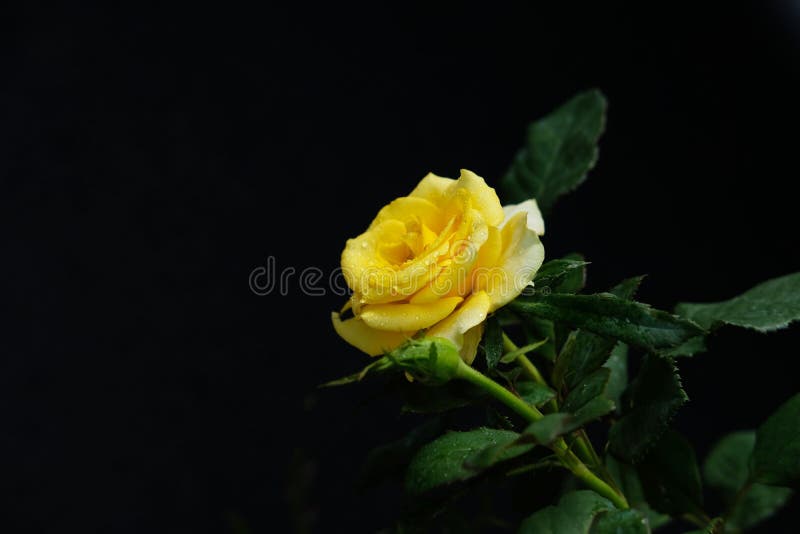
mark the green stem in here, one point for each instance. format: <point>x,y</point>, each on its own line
<point>528,412</point>
<point>583,446</point>
<point>531,414</point>
<point>523,361</point>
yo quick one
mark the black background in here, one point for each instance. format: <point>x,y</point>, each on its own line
<point>151,158</point>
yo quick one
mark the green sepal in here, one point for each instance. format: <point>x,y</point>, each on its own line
<point>430,360</point>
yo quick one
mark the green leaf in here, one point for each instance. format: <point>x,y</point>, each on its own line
<point>561,276</point>
<point>536,329</point>
<point>430,400</point>
<point>534,393</point>
<point>670,476</point>
<point>560,149</point>
<point>548,428</point>
<point>514,354</point>
<point>776,457</point>
<point>587,405</point>
<point>620,522</point>
<point>627,289</point>
<point>714,527</point>
<point>444,460</point>
<point>628,481</point>
<point>604,314</point>
<point>584,512</point>
<point>575,280</point>
<point>617,363</point>
<point>771,305</point>
<point>390,459</point>
<point>587,400</point>
<point>690,347</point>
<point>654,397</point>
<point>759,503</point>
<point>493,341</point>
<point>727,469</point>
<point>582,354</point>
<point>726,466</point>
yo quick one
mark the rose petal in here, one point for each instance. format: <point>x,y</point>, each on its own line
<point>408,209</point>
<point>408,317</point>
<point>484,198</point>
<point>522,256</point>
<point>432,187</point>
<point>373,342</point>
<point>535,220</point>
<point>472,338</point>
<point>471,314</point>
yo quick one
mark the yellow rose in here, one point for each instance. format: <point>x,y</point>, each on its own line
<point>439,260</point>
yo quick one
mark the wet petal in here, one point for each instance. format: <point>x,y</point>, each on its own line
<point>484,198</point>
<point>408,317</point>
<point>432,187</point>
<point>366,339</point>
<point>408,209</point>
<point>535,220</point>
<point>472,313</point>
<point>522,256</point>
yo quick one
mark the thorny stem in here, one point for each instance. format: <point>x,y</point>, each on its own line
<point>583,445</point>
<point>532,414</point>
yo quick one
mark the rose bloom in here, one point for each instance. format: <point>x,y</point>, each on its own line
<point>439,260</point>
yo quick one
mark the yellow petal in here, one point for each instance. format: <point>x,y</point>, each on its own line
<point>408,317</point>
<point>488,256</point>
<point>535,221</point>
<point>366,339</point>
<point>472,338</point>
<point>522,256</point>
<point>361,253</point>
<point>428,235</point>
<point>484,198</point>
<point>432,188</point>
<point>374,278</point>
<point>407,209</point>
<point>455,277</point>
<point>471,314</point>
<point>410,277</point>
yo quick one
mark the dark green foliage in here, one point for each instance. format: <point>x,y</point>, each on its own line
<point>560,149</point>
<point>771,305</point>
<point>654,397</point>
<point>776,457</point>
<point>604,314</point>
<point>445,460</point>
<point>573,369</point>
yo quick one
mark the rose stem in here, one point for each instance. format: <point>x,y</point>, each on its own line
<point>531,414</point>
